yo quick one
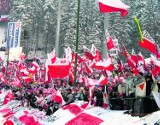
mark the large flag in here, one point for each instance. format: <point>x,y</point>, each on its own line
<point>107,6</point>
<point>148,45</point>
<point>109,43</point>
<point>144,41</point>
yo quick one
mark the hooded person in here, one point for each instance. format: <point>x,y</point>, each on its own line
<point>69,97</point>
<point>140,92</point>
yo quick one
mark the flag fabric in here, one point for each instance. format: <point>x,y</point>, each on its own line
<point>96,53</point>
<point>140,57</point>
<point>88,69</point>
<point>109,43</point>
<point>103,80</point>
<point>4,18</point>
<point>107,6</point>
<point>90,82</point>
<point>59,71</point>
<point>52,56</point>
<point>148,45</point>
<point>9,97</point>
<point>134,56</point>
<point>71,77</point>
<point>23,56</point>
<point>68,54</point>
<point>88,53</point>
<point>106,65</point>
<point>130,62</point>
<point>85,119</point>
<point>16,83</point>
<point>58,98</point>
<point>135,71</point>
<point>125,52</point>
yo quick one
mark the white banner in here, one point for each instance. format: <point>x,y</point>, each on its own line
<point>14,53</point>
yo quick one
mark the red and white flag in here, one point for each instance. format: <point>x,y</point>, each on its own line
<point>134,56</point>
<point>58,98</point>
<point>140,58</point>
<point>52,56</point>
<point>106,65</point>
<point>96,53</point>
<point>109,43</point>
<point>88,69</point>
<point>148,45</point>
<point>103,80</point>
<point>107,6</point>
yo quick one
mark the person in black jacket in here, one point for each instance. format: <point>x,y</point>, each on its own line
<point>99,96</point>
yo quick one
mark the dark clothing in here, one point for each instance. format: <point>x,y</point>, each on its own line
<point>69,98</point>
<point>149,87</point>
<point>99,97</point>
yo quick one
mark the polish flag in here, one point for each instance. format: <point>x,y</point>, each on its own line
<point>16,83</point>
<point>52,56</point>
<point>88,69</point>
<point>148,45</point>
<point>71,77</point>
<point>58,98</point>
<point>134,56</point>
<point>9,97</point>
<point>32,70</point>
<point>24,72</point>
<point>103,80</point>
<point>106,65</point>
<point>36,65</point>
<point>90,82</point>
<point>27,79</point>
<point>107,6</point>
<point>140,58</point>
<point>23,56</point>
<point>4,18</point>
<point>131,63</point>
<point>88,53</point>
<point>96,53</point>
<point>109,43</point>
<point>80,59</point>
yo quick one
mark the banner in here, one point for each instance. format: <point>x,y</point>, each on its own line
<point>14,53</point>
<point>114,51</point>
<point>59,71</point>
<point>13,34</point>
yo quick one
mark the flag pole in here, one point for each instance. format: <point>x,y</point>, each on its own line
<point>58,28</point>
<point>77,39</point>
<point>106,26</point>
